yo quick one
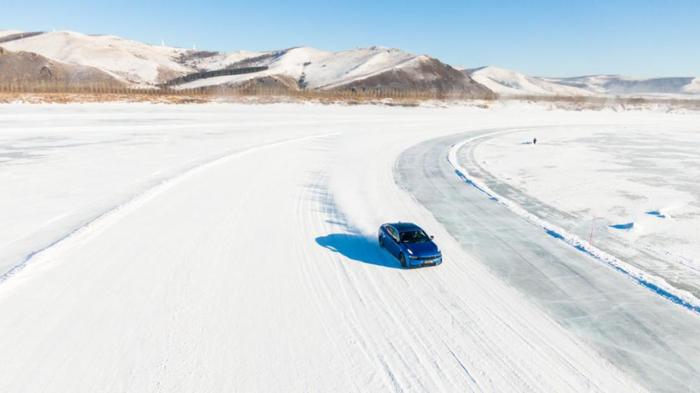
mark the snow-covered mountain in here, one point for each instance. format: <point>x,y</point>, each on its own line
<point>513,83</point>
<point>100,58</point>
<point>139,64</point>
<point>621,85</point>
<point>366,68</point>
<point>5,33</point>
<point>316,68</point>
<point>28,67</point>
<point>129,61</point>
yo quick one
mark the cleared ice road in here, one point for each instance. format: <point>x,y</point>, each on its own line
<point>655,341</point>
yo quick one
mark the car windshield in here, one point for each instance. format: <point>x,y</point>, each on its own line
<point>414,237</point>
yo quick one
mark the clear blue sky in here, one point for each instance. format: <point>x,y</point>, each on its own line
<point>557,38</point>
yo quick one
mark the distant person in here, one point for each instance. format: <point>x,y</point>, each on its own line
<point>534,141</point>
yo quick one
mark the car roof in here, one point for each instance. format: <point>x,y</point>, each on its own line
<point>404,226</point>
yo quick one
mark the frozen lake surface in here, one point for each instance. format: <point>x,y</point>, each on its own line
<point>631,190</point>
<point>227,247</point>
<point>636,329</point>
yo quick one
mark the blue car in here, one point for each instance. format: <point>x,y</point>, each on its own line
<point>409,244</point>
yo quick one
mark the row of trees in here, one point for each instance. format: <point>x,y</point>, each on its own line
<point>219,91</point>
<point>258,90</point>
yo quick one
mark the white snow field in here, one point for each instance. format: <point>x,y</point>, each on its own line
<point>631,190</point>
<point>217,247</point>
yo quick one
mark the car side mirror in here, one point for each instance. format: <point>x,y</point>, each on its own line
<point>432,237</point>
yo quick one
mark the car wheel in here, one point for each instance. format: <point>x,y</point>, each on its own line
<point>402,259</point>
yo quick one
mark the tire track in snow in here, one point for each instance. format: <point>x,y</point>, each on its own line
<point>395,314</point>
<point>351,289</point>
<point>458,308</point>
<point>318,201</point>
<point>113,214</point>
<point>421,347</point>
<point>404,345</point>
<point>309,216</point>
<point>353,295</point>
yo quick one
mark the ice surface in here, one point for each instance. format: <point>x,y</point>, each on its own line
<point>232,248</point>
<point>641,332</point>
<point>609,185</point>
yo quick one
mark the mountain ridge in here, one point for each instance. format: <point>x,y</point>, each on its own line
<point>512,83</point>
<point>112,59</point>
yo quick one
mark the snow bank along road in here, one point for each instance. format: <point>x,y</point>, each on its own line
<point>231,248</point>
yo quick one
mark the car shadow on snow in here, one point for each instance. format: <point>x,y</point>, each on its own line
<point>358,248</point>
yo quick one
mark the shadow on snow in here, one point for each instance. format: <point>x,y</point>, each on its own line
<point>358,248</point>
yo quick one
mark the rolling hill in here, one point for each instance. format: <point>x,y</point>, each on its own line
<point>73,57</point>
<point>621,85</point>
<point>30,68</point>
<point>365,68</point>
<point>512,83</point>
<point>143,65</point>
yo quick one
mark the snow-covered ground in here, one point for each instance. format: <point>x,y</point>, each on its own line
<point>631,190</point>
<point>231,248</point>
<point>68,167</point>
